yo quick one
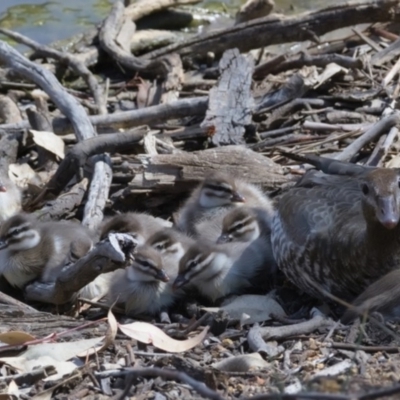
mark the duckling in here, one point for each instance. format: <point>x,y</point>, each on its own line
<point>10,198</point>
<point>245,224</point>
<point>31,249</point>
<point>203,212</point>
<point>218,270</point>
<point>144,287</point>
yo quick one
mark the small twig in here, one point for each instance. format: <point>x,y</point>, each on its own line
<point>374,132</point>
<point>101,305</point>
<point>194,325</point>
<point>380,393</point>
<point>280,332</point>
<point>300,396</point>
<point>169,374</point>
<point>368,349</point>
<point>6,299</point>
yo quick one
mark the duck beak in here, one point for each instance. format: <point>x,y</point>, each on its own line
<point>179,282</point>
<point>388,213</point>
<point>224,238</point>
<point>237,198</point>
<point>162,276</point>
<point>2,188</point>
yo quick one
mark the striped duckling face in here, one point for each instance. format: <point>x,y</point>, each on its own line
<point>219,190</point>
<point>19,233</point>
<point>147,266</point>
<point>124,223</point>
<point>200,263</point>
<point>240,225</point>
<point>167,243</point>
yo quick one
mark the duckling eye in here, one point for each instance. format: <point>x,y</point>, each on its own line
<point>17,231</point>
<point>160,246</point>
<point>145,264</point>
<point>192,264</point>
<point>239,226</point>
<point>365,189</point>
<point>398,183</point>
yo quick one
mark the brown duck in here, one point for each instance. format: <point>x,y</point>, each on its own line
<point>340,234</point>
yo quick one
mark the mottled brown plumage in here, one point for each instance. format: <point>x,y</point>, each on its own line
<point>340,234</point>
<point>382,296</point>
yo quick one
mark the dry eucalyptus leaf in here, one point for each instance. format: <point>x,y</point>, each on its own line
<point>250,308</point>
<point>24,365</point>
<point>150,334</point>
<point>55,354</point>
<point>49,141</point>
<point>59,351</point>
<point>21,174</point>
<point>394,162</point>
<point>330,70</point>
<point>46,395</point>
<point>109,338</point>
<point>15,338</point>
<point>334,370</point>
<point>242,363</point>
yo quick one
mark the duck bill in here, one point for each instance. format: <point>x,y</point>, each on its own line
<point>162,276</point>
<point>179,282</point>
<point>388,214</point>
<point>237,198</point>
<point>223,239</point>
<point>2,188</point>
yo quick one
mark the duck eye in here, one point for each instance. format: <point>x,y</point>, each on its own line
<point>398,182</point>
<point>365,189</point>
<point>159,246</point>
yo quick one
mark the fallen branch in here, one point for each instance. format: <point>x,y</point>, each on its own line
<point>66,59</point>
<point>128,119</point>
<point>107,256</point>
<point>76,158</point>
<point>275,29</point>
<point>270,333</point>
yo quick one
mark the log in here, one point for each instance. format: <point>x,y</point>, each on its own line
<point>231,102</point>
<point>179,172</point>
<point>275,29</point>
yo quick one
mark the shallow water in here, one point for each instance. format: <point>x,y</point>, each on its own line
<point>48,21</point>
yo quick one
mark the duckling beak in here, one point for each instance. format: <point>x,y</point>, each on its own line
<point>2,188</point>
<point>388,213</point>
<point>237,198</point>
<point>224,238</point>
<point>162,276</point>
<point>3,244</point>
<point>179,282</point>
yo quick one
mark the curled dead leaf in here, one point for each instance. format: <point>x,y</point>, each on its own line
<point>49,141</point>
